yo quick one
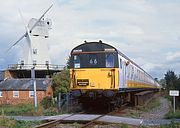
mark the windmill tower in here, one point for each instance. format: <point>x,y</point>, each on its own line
<point>35,49</point>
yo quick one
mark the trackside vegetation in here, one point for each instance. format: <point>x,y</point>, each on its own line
<point>61,82</point>
<point>12,123</point>
<point>15,110</point>
<point>171,81</point>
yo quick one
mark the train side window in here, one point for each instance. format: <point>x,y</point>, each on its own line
<point>126,72</point>
<point>132,75</point>
<point>121,63</point>
<point>109,60</point>
<point>130,72</point>
<point>77,61</point>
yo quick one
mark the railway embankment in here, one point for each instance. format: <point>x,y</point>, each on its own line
<point>159,111</point>
<point>157,108</point>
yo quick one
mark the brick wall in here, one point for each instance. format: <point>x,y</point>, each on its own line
<point>24,97</point>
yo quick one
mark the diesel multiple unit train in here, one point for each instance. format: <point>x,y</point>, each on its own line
<point>100,71</point>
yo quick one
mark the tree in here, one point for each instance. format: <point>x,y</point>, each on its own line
<point>61,82</point>
<point>170,78</point>
<point>177,84</point>
<point>172,83</point>
<point>163,83</point>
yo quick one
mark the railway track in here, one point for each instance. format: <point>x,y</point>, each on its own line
<point>85,123</point>
<point>52,123</point>
<point>93,122</point>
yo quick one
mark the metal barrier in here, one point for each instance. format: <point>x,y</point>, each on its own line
<point>37,66</point>
<point>66,103</point>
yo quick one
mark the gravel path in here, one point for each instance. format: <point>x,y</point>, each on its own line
<point>158,112</point>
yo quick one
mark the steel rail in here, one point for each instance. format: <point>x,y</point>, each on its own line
<point>52,123</point>
<point>86,123</point>
<point>92,122</point>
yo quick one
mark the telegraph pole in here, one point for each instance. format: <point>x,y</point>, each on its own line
<point>34,83</point>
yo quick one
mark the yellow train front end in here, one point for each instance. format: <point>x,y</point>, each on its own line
<point>94,70</point>
<point>94,79</point>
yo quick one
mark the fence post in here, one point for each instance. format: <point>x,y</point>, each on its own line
<point>67,101</point>
<point>59,101</point>
<point>174,106</point>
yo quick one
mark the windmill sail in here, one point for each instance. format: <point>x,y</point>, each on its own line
<point>16,42</point>
<point>24,35</point>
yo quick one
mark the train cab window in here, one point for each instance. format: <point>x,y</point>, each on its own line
<point>76,61</point>
<point>93,59</point>
<point>109,60</point>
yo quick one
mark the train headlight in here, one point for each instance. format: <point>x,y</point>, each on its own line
<point>92,84</point>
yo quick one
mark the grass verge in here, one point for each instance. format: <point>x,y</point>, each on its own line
<point>151,105</point>
<point>27,110</point>
<point>172,115</point>
<point>11,123</point>
<point>20,110</point>
<point>135,113</point>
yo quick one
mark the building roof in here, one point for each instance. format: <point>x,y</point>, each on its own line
<point>24,84</point>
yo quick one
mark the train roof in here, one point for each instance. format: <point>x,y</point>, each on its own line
<point>93,47</point>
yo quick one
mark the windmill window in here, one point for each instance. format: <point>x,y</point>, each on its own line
<point>22,62</point>
<point>47,62</point>
<point>34,62</point>
<point>35,51</point>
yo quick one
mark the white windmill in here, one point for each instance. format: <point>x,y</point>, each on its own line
<point>35,51</point>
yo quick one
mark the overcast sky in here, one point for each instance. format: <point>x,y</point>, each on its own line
<point>147,31</point>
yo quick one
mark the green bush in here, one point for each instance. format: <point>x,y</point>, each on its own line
<point>151,105</point>
<point>61,82</point>
<point>7,123</point>
<point>11,123</point>
<point>26,124</point>
<point>50,111</point>
<point>171,114</point>
<point>171,125</point>
<point>124,126</point>
<point>47,102</point>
